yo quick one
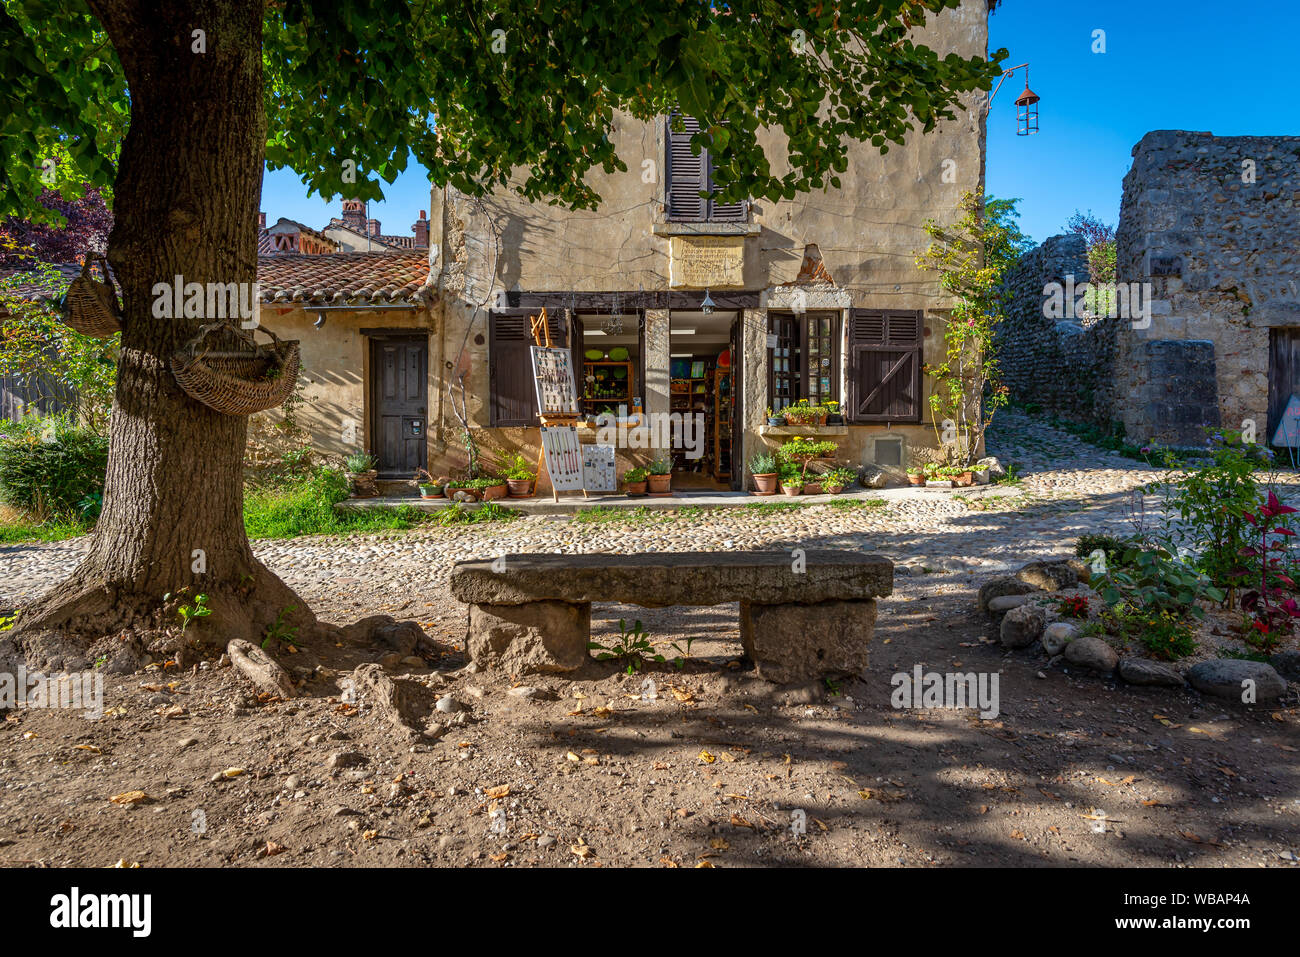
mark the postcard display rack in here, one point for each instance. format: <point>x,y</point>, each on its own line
<point>562,457</point>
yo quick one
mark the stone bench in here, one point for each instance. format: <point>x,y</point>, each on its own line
<point>534,613</point>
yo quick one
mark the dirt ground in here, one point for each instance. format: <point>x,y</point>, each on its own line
<point>713,771</point>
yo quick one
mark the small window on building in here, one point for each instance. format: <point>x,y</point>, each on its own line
<point>804,364</point>
<point>689,175</point>
<point>888,451</point>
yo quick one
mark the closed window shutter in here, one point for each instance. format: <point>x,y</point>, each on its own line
<point>885,365</point>
<point>725,212</point>
<point>512,398</point>
<point>686,174</point>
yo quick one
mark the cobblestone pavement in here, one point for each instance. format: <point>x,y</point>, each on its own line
<point>1068,488</point>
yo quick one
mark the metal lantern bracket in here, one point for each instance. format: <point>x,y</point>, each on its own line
<point>1026,103</point>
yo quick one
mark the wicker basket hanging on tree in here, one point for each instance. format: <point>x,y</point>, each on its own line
<point>90,305</point>
<point>238,382</point>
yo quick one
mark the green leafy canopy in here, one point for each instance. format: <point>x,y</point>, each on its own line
<point>478,91</point>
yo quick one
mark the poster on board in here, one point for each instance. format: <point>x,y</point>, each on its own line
<point>1287,433</point>
<point>557,392</point>
<point>598,468</point>
<point>563,457</point>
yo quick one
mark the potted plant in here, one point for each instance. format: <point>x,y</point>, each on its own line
<point>801,413</point>
<point>837,480</point>
<point>520,476</point>
<point>464,490</point>
<point>430,487</point>
<point>791,482</point>
<point>834,415</point>
<point>360,472</point>
<point>775,419</point>
<point>764,468</point>
<point>634,481</point>
<point>962,475</point>
<point>493,487</point>
<point>660,475</point>
<point>812,486</point>
<point>916,475</point>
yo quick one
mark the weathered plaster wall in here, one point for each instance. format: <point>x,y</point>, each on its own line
<point>868,231</point>
<point>334,377</point>
<point>1220,217</point>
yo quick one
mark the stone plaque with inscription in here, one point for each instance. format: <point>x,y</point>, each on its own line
<point>706,261</point>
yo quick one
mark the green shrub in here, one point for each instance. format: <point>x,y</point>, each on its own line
<point>1162,633</point>
<point>52,467</point>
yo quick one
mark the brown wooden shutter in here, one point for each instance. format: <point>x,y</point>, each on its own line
<point>512,397</point>
<point>885,365</point>
<point>686,174</point>
<point>725,212</point>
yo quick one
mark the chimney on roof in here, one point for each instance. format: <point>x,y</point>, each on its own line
<point>354,214</point>
<point>261,220</point>
<point>421,230</point>
<point>373,225</point>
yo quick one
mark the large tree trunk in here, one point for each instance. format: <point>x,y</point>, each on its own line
<point>187,196</point>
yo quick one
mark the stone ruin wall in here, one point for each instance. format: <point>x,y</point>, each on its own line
<point>1213,225</point>
<point>1063,365</point>
<point>1222,253</point>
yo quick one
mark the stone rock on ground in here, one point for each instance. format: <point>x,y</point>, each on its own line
<point>1143,671</point>
<point>1005,603</point>
<point>1223,677</point>
<point>873,476</point>
<point>385,632</point>
<point>1287,664</point>
<point>1057,635</point>
<point>800,643</point>
<point>1048,576</point>
<point>998,587</point>
<point>1089,651</point>
<point>995,468</point>
<point>1022,626</point>
<point>542,637</point>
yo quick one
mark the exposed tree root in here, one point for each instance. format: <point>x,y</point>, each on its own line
<point>260,669</point>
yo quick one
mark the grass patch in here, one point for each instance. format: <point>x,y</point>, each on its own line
<point>852,503</point>
<point>305,506</point>
<point>17,527</point>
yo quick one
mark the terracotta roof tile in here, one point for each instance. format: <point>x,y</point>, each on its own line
<point>347,278</point>
<point>336,279</point>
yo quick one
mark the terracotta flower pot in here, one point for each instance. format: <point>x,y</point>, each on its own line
<point>520,488</point>
<point>493,492</point>
<point>813,488</point>
<point>792,490</point>
<point>916,478</point>
<point>765,484</point>
<point>833,489</point>
<point>963,478</point>
<point>660,483</point>
<point>634,488</point>
<point>363,484</point>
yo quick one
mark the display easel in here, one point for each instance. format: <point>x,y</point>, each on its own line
<point>541,332</point>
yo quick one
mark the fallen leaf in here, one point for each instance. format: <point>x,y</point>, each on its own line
<point>706,757</point>
<point>500,791</point>
<point>131,797</point>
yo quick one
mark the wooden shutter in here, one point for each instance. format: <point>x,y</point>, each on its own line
<point>512,398</point>
<point>686,174</point>
<point>885,365</point>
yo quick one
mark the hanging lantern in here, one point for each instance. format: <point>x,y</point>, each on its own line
<point>707,305</point>
<point>1027,110</point>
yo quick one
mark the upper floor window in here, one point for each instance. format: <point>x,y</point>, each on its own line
<point>689,175</point>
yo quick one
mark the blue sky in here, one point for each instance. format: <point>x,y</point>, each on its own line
<point>1169,64</point>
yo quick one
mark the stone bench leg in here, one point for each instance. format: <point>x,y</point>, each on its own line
<point>535,638</point>
<point>798,643</point>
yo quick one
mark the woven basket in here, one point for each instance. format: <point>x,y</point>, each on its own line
<point>237,383</point>
<point>90,305</point>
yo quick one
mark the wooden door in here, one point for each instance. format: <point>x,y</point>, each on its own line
<point>399,376</point>
<point>1283,375</point>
